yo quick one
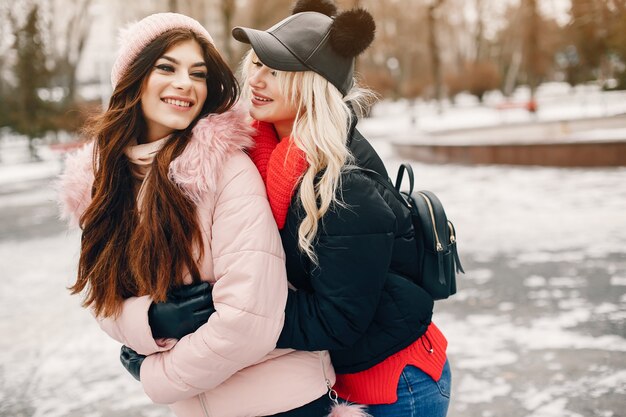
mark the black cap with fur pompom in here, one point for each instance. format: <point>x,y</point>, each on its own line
<point>315,39</point>
<point>352,32</point>
<point>326,7</point>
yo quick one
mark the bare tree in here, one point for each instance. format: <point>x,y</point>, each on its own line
<point>480,30</point>
<point>512,40</point>
<point>532,45</point>
<point>433,45</point>
<point>228,8</point>
<point>591,30</point>
<point>70,22</point>
<point>397,63</point>
<point>257,14</point>
<point>192,8</point>
<point>263,14</point>
<point>30,113</point>
<point>6,26</point>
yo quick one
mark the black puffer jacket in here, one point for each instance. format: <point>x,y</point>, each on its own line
<point>357,303</point>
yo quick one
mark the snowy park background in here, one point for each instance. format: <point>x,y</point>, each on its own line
<point>537,329</point>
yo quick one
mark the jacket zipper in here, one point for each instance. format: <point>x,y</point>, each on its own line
<point>432,218</point>
<point>203,404</point>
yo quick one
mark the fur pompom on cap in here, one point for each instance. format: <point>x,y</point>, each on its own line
<point>326,7</point>
<point>352,32</point>
<point>348,410</point>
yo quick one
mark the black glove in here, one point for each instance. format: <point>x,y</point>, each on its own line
<point>186,309</point>
<point>131,360</point>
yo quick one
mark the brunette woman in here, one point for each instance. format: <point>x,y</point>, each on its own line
<point>166,200</point>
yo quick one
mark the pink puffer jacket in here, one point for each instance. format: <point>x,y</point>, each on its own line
<point>228,367</point>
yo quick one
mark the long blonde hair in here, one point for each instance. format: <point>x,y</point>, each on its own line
<point>320,129</point>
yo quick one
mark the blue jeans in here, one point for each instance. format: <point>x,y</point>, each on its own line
<point>418,395</point>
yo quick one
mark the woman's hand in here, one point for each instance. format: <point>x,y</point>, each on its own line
<point>131,360</point>
<point>186,309</point>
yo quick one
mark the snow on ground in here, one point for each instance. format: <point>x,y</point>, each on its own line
<point>537,329</point>
<point>55,362</point>
<point>16,165</point>
<point>555,103</point>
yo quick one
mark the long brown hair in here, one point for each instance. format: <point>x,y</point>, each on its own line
<point>124,254</point>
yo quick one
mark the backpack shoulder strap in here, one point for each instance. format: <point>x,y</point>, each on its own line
<point>409,171</point>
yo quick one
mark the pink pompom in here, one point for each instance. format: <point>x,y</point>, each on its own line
<point>348,410</point>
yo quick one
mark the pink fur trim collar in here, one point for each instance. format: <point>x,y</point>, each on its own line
<point>196,171</point>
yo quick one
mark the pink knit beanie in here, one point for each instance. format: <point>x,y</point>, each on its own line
<point>135,37</point>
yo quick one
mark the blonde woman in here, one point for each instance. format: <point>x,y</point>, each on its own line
<point>349,243</point>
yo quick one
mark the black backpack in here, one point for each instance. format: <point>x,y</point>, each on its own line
<point>434,233</point>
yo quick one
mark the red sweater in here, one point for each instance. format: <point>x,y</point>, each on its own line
<point>379,384</point>
<point>281,165</point>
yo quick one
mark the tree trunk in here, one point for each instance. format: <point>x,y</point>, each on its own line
<point>75,39</point>
<point>512,72</point>
<point>435,60</point>
<point>228,10</point>
<point>480,29</point>
<point>532,46</point>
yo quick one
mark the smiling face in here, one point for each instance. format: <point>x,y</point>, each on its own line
<point>269,103</point>
<point>175,90</point>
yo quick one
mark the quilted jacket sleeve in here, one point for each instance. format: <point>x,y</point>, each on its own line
<point>354,251</point>
<point>249,295</point>
<point>132,329</point>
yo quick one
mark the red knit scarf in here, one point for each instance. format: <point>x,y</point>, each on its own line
<point>281,164</point>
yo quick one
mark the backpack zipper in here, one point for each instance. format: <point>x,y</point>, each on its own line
<point>457,260</point>
<point>452,232</point>
<point>432,218</point>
